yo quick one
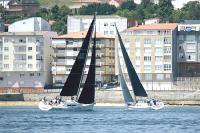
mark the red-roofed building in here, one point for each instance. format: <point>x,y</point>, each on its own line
<point>152,49</point>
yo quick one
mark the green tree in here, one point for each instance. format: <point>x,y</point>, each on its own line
<point>126,13</point>
<point>192,10</point>
<point>60,27</point>
<point>130,5</point>
<point>165,9</point>
<point>101,9</point>
<point>177,16</point>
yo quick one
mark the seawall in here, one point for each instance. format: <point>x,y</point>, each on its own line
<point>115,96</point>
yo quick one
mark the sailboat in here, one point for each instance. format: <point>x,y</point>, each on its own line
<point>84,97</point>
<point>137,87</point>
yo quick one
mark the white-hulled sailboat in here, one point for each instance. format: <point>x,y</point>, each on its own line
<point>137,87</point>
<point>85,98</point>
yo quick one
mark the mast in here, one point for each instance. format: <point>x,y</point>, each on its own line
<point>72,84</point>
<point>137,86</point>
<point>88,92</point>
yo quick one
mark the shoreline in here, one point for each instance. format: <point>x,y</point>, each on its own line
<point>35,104</point>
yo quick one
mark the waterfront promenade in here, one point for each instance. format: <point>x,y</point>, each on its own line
<point>106,97</point>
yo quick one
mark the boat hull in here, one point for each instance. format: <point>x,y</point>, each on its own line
<point>144,105</point>
<point>139,106</point>
<point>68,105</point>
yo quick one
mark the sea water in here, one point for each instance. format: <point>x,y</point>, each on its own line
<point>181,119</point>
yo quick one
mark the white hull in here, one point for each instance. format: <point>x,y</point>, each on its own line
<point>158,106</point>
<point>138,106</point>
<point>67,105</point>
<point>144,105</point>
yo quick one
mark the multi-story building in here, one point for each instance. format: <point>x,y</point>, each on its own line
<point>188,47</point>
<point>25,60</point>
<point>152,50</point>
<point>66,48</point>
<point>22,7</point>
<point>30,25</point>
<point>104,24</point>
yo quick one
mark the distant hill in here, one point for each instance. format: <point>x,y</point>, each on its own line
<point>50,3</point>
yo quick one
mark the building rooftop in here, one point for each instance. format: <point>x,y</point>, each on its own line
<point>82,34</point>
<point>24,33</point>
<point>98,16</point>
<point>160,26</point>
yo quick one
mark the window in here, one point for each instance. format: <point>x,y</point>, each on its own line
<point>158,58</point>
<point>148,76</point>
<point>159,76</point>
<point>158,42</point>
<point>6,66</point>
<point>30,66</point>
<point>167,58</point>
<point>167,67</point>
<point>1,78</point>
<point>31,74</point>
<point>21,75</point>
<point>159,50</point>
<point>105,32</point>
<point>112,32</point>
<point>180,37</point>
<point>158,67</point>
<point>6,49</point>
<point>29,48</point>
<point>190,38</point>
<point>137,57</point>
<point>147,58</point>
<point>147,41</point>
<point>147,67</point>
<point>30,57</point>
<point>167,49</point>
<point>38,74</point>
<point>6,57</point>
<point>105,24</point>
<point>167,40</point>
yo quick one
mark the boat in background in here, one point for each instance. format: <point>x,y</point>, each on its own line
<point>84,98</point>
<point>137,87</point>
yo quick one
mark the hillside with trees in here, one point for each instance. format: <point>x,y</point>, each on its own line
<point>164,10</point>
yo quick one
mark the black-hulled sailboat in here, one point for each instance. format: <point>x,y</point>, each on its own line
<point>85,97</point>
<point>137,87</point>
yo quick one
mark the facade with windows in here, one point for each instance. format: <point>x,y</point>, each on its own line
<point>25,60</point>
<point>66,48</point>
<point>188,55</point>
<point>104,24</point>
<point>151,49</point>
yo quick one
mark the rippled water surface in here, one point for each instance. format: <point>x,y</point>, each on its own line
<point>101,120</point>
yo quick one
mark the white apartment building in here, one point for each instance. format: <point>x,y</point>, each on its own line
<point>25,60</point>
<point>104,23</point>
<point>152,50</point>
<point>188,47</point>
<point>30,25</point>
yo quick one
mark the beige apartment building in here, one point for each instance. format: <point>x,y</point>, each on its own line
<point>25,60</point>
<point>152,50</point>
<point>66,48</point>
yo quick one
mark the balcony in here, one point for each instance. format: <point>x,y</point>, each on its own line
<point>61,45</point>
